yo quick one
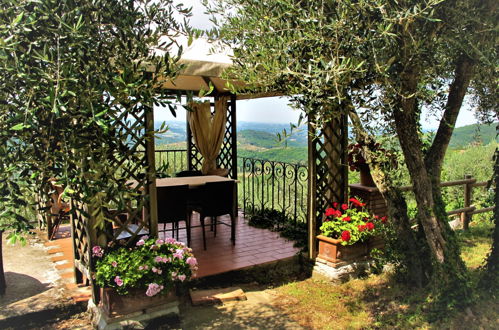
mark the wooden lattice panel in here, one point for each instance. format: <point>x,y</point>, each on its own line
<point>131,204</point>
<point>328,172</point>
<point>81,239</point>
<point>228,156</point>
<point>131,162</point>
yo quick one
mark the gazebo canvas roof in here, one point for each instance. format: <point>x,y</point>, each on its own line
<point>205,61</point>
<point>204,64</point>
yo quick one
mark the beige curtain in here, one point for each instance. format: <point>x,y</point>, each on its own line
<point>208,131</point>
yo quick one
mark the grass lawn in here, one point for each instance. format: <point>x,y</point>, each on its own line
<point>380,302</point>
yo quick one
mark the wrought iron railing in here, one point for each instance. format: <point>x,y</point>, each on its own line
<point>274,185</point>
<point>171,161</point>
<point>263,184</point>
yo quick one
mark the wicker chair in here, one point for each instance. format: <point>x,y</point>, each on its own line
<point>172,208</point>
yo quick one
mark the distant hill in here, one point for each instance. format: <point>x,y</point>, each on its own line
<point>464,136</point>
<point>259,140</point>
<point>269,140</point>
<point>294,155</point>
<point>249,133</point>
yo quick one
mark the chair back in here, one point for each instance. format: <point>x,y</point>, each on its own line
<point>57,205</point>
<point>188,173</point>
<point>218,198</point>
<point>172,203</point>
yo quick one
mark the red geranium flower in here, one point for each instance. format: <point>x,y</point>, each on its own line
<point>356,202</point>
<point>370,225</point>
<point>335,205</point>
<point>361,227</point>
<point>383,219</point>
<point>337,213</point>
<point>345,235</point>
<point>344,206</point>
<point>347,218</point>
<point>329,212</point>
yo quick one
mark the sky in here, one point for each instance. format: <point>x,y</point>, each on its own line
<point>276,109</point>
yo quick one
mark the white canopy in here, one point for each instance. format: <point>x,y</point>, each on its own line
<point>204,63</point>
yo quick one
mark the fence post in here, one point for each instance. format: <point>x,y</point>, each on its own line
<point>465,216</point>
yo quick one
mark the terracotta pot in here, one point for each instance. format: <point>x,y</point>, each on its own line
<point>330,249</point>
<point>366,178</point>
<point>136,300</point>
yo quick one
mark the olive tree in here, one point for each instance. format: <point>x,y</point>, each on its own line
<point>382,63</point>
<point>70,71</point>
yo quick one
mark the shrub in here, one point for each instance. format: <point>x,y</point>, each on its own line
<point>152,265</point>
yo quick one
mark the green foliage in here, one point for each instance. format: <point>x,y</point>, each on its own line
<point>278,221</point>
<point>71,72</point>
<point>475,161</point>
<point>149,262</point>
<point>292,155</point>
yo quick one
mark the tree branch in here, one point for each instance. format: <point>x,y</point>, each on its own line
<point>463,72</point>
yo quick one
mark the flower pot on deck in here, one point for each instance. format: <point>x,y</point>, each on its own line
<point>330,249</point>
<point>136,300</point>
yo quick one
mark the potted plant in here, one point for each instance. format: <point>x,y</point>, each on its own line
<point>143,276</point>
<point>349,232</point>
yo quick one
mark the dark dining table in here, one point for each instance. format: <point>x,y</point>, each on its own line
<point>191,181</point>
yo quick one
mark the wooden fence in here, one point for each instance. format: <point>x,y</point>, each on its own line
<point>469,209</point>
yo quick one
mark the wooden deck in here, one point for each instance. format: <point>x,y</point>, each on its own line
<point>253,247</point>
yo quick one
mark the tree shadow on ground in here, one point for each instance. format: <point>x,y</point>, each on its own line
<point>21,286</point>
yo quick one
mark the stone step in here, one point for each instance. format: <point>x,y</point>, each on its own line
<point>214,296</point>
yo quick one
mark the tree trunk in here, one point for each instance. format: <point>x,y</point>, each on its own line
<point>406,242</point>
<point>2,274</point>
<point>490,278</point>
<point>449,275</point>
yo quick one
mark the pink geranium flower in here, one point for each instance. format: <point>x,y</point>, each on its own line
<point>118,281</point>
<point>170,240</point>
<point>191,261</point>
<point>97,251</point>
<point>179,254</point>
<point>153,289</point>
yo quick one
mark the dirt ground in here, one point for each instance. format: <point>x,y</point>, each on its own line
<point>33,283</point>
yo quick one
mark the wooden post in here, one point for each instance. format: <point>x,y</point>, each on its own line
<point>190,145</point>
<point>311,200</point>
<point>466,216</point>
<point>3,284</point>
<point>233,132</point>
<point>151,173</point>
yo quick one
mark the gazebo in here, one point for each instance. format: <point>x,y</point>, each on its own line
<point>327,179</point>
